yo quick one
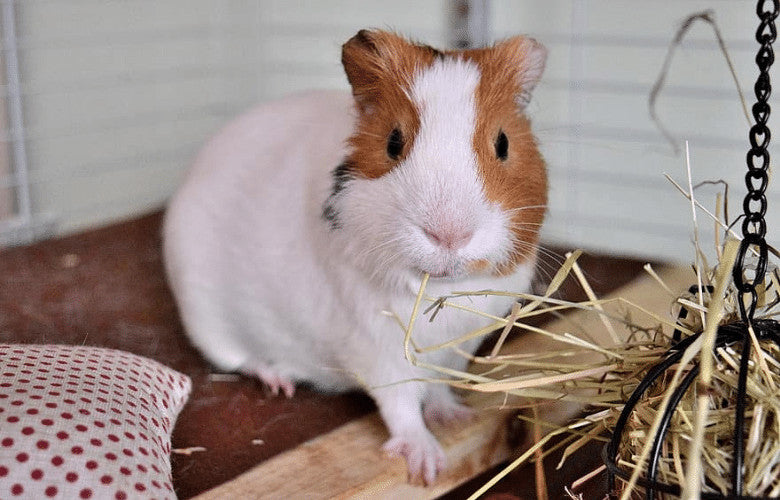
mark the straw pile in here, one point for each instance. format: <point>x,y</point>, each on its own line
<point>697,451</point>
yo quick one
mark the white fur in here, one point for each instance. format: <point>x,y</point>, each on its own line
<point>266,286</point>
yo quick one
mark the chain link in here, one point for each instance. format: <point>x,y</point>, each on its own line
<point>756,179</point>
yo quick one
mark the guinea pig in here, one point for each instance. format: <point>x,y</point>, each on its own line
<point>306,221</point>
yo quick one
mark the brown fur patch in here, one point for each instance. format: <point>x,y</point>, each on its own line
<point>518,183</point>
<point>380,67</point>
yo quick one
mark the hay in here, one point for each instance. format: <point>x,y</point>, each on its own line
<point>697,451</point>
<point>187,451</point>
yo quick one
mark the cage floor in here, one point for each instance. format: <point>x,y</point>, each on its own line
<point>106,288</point>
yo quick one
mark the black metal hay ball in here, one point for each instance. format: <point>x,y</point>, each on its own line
<point>732,334</point>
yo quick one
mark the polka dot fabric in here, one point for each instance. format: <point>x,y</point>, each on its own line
<point>83,422</point>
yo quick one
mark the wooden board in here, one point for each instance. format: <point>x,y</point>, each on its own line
<point>348,462</point>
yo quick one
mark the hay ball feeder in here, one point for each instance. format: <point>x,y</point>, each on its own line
<point>712,381</point>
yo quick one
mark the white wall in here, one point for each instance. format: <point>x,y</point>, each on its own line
<point>119,94</point>
<point>6,194</point>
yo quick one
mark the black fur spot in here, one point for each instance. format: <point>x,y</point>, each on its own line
<point>341,176</point>
<point>330,215</point>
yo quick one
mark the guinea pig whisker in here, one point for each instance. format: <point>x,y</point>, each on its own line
<point>379,249</point>
<point>523,249</point>
<point>387,241</point>
<point>369,134</point>
<point>525,231</point>
<point>557,257</point>
<point>518,220</point>
<point>546,267</point>
<point>527,207</point>
<point>547,264</point>
<point>544,274</point>
<point>382,269</point>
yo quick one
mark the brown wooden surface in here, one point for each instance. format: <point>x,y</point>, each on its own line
<point>106,288</point>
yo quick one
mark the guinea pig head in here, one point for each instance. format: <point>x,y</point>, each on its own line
<point>443,174</point>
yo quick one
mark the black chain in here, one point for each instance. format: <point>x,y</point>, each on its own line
<point>756,180</point>
<point>753,225</point>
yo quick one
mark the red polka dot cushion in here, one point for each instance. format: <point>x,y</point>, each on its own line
<point>85,422</point>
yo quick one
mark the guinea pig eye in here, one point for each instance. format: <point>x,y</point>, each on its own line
<point>502,146</point>
<point>395,144</point>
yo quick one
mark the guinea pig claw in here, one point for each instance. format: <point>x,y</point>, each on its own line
<point>424,456</point>
<point>289,389</point>
<point>276,383</point>
<point>273,381</point>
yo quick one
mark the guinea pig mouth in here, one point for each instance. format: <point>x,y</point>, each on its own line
<point>449,272</point>
<point>445,277</point>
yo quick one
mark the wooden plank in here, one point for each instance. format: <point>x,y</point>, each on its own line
<point>348,461</point>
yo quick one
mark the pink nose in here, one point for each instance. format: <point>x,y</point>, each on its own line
<point>450,239</point>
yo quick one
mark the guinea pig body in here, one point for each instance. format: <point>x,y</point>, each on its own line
<point>300,235</point>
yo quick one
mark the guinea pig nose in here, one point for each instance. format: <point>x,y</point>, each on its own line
<point>450,239</point>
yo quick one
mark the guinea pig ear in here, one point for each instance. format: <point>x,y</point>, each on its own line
<point>528,57</point>
<point>371,56</point>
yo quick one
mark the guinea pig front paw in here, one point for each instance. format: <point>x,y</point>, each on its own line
<point>424,456</point>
